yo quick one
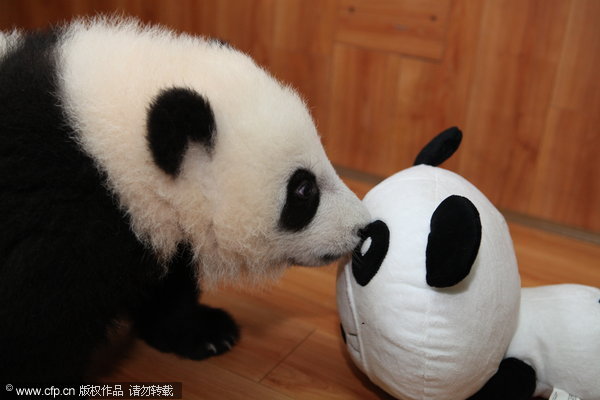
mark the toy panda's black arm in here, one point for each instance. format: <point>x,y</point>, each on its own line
<point>440,148</point>
<point>514,380</point>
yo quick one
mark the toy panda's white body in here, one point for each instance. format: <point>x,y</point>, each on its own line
<point>558,334</point>
<point>135,163</point>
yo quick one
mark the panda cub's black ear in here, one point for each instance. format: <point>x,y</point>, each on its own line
<point>453,243</point>
<point>175,117</point>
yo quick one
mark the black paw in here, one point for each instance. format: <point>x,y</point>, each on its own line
<point>514,380</point>
<point>215,333</point>
<point>197,333</point>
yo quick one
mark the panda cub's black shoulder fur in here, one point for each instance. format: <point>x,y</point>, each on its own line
<point>52,197</point>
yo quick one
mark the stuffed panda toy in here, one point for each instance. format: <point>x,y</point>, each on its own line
<point>429,302</point>
<point>135,164</point>
<point>431,306</point>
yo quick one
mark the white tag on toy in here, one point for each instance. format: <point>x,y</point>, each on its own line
<point>558,394</point>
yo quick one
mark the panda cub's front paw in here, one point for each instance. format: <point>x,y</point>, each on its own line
<point>216,333</point>
<point>196,333</point>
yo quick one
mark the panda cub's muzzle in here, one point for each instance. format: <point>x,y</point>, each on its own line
<point>322,222</point>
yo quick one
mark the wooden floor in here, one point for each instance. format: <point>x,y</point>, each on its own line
<point>291,346</point>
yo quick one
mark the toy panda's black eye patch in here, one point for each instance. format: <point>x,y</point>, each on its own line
<point>365,266</point>
<point>453,242</point>
<point>302,201</point>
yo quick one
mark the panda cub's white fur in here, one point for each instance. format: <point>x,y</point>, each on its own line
<point>8,40</point>
<point>225,203</point>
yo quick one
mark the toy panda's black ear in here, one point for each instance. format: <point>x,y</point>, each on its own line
<point>176,116</point>
<point>440,148</point>
<point>453,242</point>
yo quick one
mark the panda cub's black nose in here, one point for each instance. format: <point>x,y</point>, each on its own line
<point>362,233</point>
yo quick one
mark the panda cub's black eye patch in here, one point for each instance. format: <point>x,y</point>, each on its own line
<point>302,201</point>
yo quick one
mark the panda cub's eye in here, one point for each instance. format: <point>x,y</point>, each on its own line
<point>302,201</point>
<point>306,189</point>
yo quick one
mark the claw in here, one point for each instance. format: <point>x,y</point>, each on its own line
<point>212,348</point>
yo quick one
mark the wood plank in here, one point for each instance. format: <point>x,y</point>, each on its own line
<point>200,380</point>
<point>567,182</point>
<point>301,53</point>
<point>546,259</point>
<point>411,27</point>
<point>358,187</point>
<point>276,319</point>
<point>517,61</point>
<point>435,96</point>
<point>268,333</point>
<point>397,104</point>
<point>361,132</point>
<point>336,377</point>
<point>247,25</point>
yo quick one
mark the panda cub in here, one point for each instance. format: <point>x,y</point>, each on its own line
<point>135,163</point>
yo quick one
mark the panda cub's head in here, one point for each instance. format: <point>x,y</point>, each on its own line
<point>201,146</point>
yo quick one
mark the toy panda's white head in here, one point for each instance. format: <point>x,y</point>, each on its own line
<point>430,301</point>
<point>202,146</point>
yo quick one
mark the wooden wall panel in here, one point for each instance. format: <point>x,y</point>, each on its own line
<point>362,132</point>
<point>435,95</point>
<point>302,47</point>
<point>247,24</point>
<point>414,27</point>
<point>567,182</point>
<point>517,60</point>
<point>386,106</point>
